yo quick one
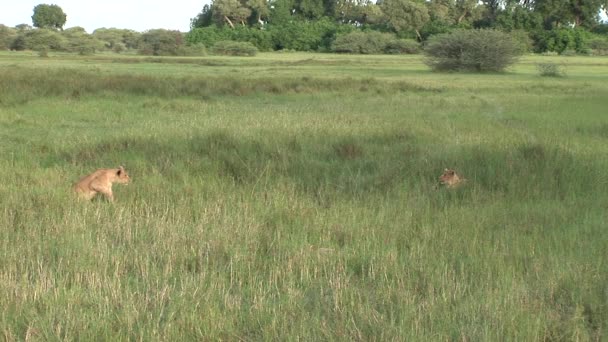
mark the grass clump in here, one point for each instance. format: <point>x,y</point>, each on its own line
<point>550,69</point>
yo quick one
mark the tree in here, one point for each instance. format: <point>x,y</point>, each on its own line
<point>230,11</point>
<point>161,42</point>
<point>404,15</point>
<point>259,8</point>
<point>203,19</point>
<point>48,16</point>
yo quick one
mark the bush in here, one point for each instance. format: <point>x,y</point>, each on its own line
<point>550,70</point>
<point>402,46</point>
<point>598,46</point>
<point>231,48</point>
<point>560,40</point>
<point>471,50</point>
<point>41,40</point>
<point>373,42</point>
<point>160,42</point>
<point>315,35</point>
<point>7,36</point>
<point>208,36</point>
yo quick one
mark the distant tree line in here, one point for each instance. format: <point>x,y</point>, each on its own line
<point>315,25</point>
<point>345,26</point>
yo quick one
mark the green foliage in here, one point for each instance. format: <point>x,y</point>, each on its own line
<point>406,15</point>
<point>78,40</point>
<point>208,36</point>
<point>7,36</point>
<point>203,19</point>
<point>306,35</point>
<point>471,50</point>
<point>231,12</point>
<point>373,42</point>
<point>232,48</point>
<point>48,16</point>
<point>560,40</point>
<point>402,47</point>
<point>160,42</point>
<point>117,40</point>
<point>370,42</point>
<point>598,45</point>
<point>40,40</point>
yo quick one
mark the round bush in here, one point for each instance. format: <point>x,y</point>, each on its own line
<point>472,50</point>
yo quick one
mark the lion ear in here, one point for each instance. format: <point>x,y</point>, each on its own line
<point>119,172</point>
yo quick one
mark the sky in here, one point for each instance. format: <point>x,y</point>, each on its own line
<point>138,15</point>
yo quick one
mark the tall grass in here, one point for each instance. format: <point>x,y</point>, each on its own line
<point>309,215</point>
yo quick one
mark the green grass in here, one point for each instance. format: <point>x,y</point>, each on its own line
<point>292,197</point>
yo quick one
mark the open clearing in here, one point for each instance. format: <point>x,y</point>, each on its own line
<point>292,197</point>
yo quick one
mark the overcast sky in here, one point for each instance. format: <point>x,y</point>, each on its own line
<point>138,15</point>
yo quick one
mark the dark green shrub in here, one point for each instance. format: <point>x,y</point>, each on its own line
<point>7,35</point>
<point>41,40</point>
<point>598,46</point>
<point>402,46</point>
<point>231,48</point>
<point>161,42</point>
<point>315,35</point>
<point>371,42</point>
<point>208,36</point>
<point>560,40</point>
<point>471,50</point>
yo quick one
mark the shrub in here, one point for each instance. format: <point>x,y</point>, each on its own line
<point>372,42</point>
<point>231,48</point>
<point>471,50</point>
<point>402,46</point>
<point>41,40</point>
<point>550,70</point>
<point>208,36</point>
<point>315,35</point>
<point>560,40</point>
<point>160,42</point>
<point>598,46</point>
<point>7,35</point>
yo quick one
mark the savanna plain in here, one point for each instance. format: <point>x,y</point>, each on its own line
<point>294,197</point>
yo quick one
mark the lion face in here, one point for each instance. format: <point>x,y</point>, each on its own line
<point>449,178</point>
<point>122,176</point>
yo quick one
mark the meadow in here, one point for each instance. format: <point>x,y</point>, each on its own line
<point>293,197</point>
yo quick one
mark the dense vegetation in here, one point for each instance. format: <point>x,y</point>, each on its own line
<point>541,26</point>
<point>292,197</point>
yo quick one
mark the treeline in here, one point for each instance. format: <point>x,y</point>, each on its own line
<point>77,40</point>
<point>561,26</point>
<point>242,27</point>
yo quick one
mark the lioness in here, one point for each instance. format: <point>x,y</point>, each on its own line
<point>101,181</point>
<point>451,179</point>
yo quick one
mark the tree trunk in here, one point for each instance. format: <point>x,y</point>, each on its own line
<point>419,36</point>
<point>229,22</point>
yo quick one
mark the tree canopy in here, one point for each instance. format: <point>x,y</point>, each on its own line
<point>49,17</point>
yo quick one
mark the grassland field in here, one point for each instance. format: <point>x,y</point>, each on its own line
<point>293,197</point>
